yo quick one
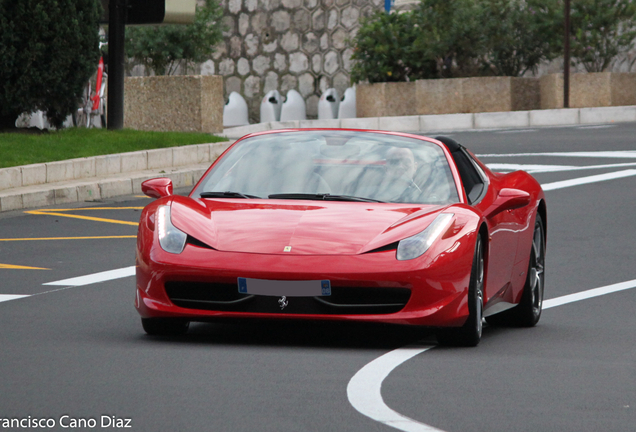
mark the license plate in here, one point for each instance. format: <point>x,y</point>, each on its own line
<point>284,288</point>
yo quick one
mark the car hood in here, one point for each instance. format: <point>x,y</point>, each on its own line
<point>295,227</point>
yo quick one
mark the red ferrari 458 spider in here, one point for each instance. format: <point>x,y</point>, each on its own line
<point>324,224</point>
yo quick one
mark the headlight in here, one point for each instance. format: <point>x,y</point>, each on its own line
<point>171,238</point>
<point>416,245</point>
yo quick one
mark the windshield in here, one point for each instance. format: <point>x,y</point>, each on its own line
<point>341,165</point>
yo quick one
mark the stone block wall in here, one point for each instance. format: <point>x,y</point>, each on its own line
<point>385,99</point>
<point>190,103</point>
<point>589,90</point>
<point>448,96</point>
<point>287,44</point>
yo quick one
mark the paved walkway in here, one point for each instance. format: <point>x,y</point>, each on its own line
<point>100,177</point>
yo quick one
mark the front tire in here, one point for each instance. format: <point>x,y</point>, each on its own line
<point>165,326</point>
<point>528,311</point>
<point>469,334</point>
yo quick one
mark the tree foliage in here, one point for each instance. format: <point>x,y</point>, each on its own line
<point>451,34</point>
<point>520,34</point>
<point>385,50</point>
<point>48,51</point>
<point>164,49</point>
<point>600,31</point>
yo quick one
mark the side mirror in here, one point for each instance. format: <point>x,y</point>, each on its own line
<point>157,187</point>
<point>508,199</point>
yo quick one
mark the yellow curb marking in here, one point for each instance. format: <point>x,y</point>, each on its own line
<point>17,267</point>
<point>52,213</point>
<point>88,208</point>
<point>68,238</point>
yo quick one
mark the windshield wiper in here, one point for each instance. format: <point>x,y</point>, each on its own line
<point>324,197</point>
<point>226,194</point>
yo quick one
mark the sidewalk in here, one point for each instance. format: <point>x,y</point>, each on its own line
<point>458,122</point>
<point>99,177</point>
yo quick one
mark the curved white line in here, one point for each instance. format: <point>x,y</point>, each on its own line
<point>364,390</point>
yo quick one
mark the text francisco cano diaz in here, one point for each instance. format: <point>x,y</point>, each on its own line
<point>66,422</point>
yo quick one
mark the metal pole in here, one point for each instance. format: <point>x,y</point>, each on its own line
<point>116,33</point>
<point>566,58</point>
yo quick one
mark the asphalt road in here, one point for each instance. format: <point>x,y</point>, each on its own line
<point>79,353</point>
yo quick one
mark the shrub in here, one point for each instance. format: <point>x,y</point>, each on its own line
<point>385,50</point>
<point>48,51</point>
<point>164,49</point>
<point>601,30</point>
<point>520,34</point>
<point>451,34</point>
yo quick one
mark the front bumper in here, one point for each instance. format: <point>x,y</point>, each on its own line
<point>423,291</point>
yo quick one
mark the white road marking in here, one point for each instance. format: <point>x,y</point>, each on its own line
<point>516,131</point>
<point>7,297</point>
<point>531,168</point>
<point>364,389</point>
<point>584,295</point>
<point>96,277</point>
<point>587,180</point>
<point>596,127</point>
<point>627,154</point>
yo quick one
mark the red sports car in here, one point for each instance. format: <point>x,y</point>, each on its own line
<point>324,224</point>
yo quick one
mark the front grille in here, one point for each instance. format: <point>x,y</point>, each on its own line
<point>345,300</point>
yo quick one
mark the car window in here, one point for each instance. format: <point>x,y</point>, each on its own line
<point>362,164</point>
<point>473,182</point>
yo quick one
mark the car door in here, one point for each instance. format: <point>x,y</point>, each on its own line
<point>502,226</point>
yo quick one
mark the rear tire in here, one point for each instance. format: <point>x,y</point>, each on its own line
<point>469,334</point>
<point>165,326</point>
<point>528,311</point>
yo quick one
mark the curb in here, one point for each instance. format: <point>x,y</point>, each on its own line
<point>457,122</point>
<point>99,177</point>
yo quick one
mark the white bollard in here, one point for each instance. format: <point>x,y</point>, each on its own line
<point>235,112</point>
<point>328,105</point>
<point>294,107</point>
<point>347,108</point>
<point>271,107</point>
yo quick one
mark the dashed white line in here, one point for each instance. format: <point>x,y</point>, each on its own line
<point>596,127</point>
<point>627,154</point>
<point>532,168</point>
<point>586,180</point>
<point>516,131</point>
<point>96,277</point>
<point>7,297</point>
<point>584,295</point>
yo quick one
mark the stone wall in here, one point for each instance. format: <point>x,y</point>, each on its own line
<point>287,44</point>
<point>600,89</point>
<point>448,96</point>
<point>188,103</point>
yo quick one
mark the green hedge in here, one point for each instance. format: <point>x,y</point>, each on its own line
<point>464,38</point>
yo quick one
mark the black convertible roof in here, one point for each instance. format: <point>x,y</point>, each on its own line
<point>450,143</point>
